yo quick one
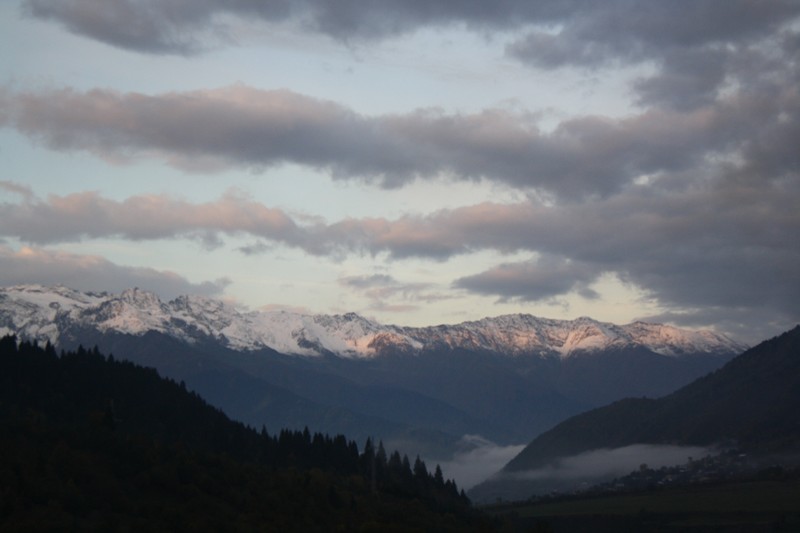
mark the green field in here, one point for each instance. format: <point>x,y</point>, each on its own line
<point>767,505</point>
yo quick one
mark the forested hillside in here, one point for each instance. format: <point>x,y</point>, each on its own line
<point>91,443</point>
<point>749,405</point>
<point>751,402</point>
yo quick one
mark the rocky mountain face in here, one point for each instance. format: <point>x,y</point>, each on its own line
<point>421,390</point>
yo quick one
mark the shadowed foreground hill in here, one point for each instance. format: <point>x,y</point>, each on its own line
<point>89,443</point>
<point>751,403</point>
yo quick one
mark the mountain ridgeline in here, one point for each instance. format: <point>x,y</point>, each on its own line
<point>751,404</point>
<point>94,444</point>
<point>50,313</point>
<point>419,389</point>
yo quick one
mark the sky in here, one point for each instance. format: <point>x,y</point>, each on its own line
<point>416,162</point>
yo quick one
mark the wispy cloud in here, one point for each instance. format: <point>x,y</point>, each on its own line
<point>476,459</point>
<point>387,293</point>
<point>609,463</point>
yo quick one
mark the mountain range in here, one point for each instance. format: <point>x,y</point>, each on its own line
<point>506,378</point>
<point>44,313</point>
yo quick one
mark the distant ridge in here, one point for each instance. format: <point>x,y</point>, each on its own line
<point>49,313</point>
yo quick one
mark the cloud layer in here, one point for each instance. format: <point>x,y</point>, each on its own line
<point>582,158</point>
<point>691,197</point>
<point>708,248</point>
<point>604,464</point>
<point>587,32</point>
<point>697,48</point>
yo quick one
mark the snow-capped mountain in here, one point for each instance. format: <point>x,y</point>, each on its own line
<point>49,313</point>
<point>514,376</point>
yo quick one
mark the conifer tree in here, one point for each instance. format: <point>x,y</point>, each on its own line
<point>438,477</point>
<point>420,470</point>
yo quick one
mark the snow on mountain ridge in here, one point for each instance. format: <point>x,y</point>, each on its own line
<point>523,333</point>
<point>38,312</point>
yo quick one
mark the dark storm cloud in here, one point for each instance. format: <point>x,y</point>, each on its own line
<point>540,279</point>
<point>635,30</point>
<point>693,46</point>
<point>92,273</point>
<point>151,27</point>
<point>239,126</point>
<point>688,79</point>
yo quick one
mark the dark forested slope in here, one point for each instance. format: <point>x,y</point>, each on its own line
<point>90,443</point>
